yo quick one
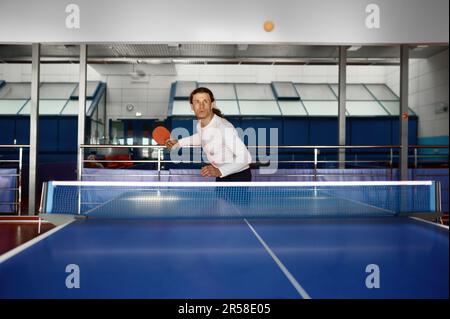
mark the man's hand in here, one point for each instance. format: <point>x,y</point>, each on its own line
<point>210,171</point>
<point>171,143</point>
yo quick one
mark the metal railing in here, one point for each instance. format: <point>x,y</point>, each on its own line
<point>315,161</point>
<point>389,160</point>
<point>18,164</point>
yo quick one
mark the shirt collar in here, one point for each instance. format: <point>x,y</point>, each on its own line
<point>210,122</point>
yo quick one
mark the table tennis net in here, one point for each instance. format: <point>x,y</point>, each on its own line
<point>238,200</point>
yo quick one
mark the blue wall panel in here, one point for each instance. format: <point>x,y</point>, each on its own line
<point>23,130</point>
<point>7,128</point>
<point>58,134</point>
<point>263,126</point>
<point>48,135</point>
<point>296,131</point>
<point>323,131</point>
<point>370,131</point>
<point>412,131</point>
<point>236,121</point>
<point>67,136</point>
<point>434,154</point>
<point>187,123</point>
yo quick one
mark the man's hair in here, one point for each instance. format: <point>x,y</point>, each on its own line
<point>211,96</point>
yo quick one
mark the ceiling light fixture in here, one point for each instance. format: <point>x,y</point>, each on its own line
<point>354,48</point>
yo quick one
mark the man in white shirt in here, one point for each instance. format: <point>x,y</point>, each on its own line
<point>228,155</point>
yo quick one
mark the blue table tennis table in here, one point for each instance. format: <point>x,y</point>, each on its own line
<point>371,255</point>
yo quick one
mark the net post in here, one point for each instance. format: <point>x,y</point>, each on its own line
<point>49,191</point>
<point>43,202</point>
<point>39,225</point>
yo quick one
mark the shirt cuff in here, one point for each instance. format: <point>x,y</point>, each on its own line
<point>229,169</point>
<point>183,141</point>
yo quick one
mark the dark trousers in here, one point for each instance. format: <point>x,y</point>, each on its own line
<point>244,176</point>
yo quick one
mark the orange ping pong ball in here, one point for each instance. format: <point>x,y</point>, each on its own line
<point>268,26</point>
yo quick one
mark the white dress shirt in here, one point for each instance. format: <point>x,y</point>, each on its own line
<point>222,145</point>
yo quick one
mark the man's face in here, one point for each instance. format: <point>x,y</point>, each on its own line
<point>201,105</point>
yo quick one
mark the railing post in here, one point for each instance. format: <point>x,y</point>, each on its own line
<point>34,128</point>
<point>82,106</point>
<point>391,157</point>
<point>403,114</point>
<point>342,100</point>
<point>438,197</point>
<point>20,181</point>
<point>159,164</point>
<point>415,157</point>
<point>80,163</point>
<point>315,163</point>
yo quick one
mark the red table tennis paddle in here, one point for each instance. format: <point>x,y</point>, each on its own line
<point>161,134</point>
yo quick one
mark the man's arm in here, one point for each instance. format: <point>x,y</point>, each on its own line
<point>193,140</point>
